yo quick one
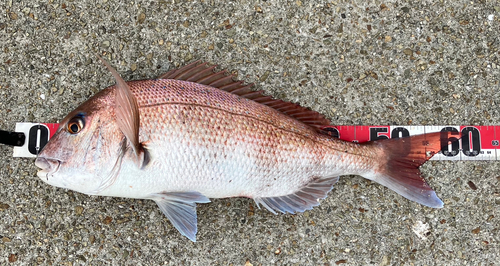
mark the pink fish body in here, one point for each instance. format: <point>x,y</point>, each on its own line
<point>223,145</point>
<point>181,142</point>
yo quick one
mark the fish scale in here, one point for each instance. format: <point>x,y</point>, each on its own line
<point>181,142</point>
<point>276,158</point>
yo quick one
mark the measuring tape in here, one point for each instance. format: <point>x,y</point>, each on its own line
<point>36,136</point>
<point>477,143</point>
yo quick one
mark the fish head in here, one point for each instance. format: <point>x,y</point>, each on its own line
<point>86,149</point>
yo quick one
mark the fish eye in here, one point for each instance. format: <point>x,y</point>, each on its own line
<point>76,124</point>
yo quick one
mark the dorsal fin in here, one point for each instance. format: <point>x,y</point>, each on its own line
<point>202,73</point>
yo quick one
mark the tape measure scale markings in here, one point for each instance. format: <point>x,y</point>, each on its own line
<point>477,142</point>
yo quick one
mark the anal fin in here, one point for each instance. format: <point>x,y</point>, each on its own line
<point>304,199</point>
<point>180,209</point>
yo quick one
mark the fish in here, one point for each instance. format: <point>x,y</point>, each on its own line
<point>194,133</point>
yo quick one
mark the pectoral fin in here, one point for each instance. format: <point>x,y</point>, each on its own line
<point>180,209</point>
<point>304,199</point>
<point>127,112</point>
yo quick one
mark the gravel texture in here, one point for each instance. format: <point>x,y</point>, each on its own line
<point>358,62</point>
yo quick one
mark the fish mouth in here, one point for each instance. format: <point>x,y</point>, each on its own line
<point>48,166</point>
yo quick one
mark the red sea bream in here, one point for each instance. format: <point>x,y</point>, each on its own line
<point>193,134</point>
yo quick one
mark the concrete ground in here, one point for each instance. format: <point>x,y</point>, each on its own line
<point>358,62</point>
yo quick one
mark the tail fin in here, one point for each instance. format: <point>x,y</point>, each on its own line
<point>404,156</point>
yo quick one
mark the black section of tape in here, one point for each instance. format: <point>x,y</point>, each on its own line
<point>12,138</point>
<point>35,132</point>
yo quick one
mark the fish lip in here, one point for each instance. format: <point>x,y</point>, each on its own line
<point>48,166</point>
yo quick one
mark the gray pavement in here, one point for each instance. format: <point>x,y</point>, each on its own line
<point>357,62</point>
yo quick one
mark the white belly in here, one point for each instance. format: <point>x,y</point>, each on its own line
<point>217,172</point>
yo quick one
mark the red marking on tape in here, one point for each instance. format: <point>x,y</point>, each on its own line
<point>52,128</point>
